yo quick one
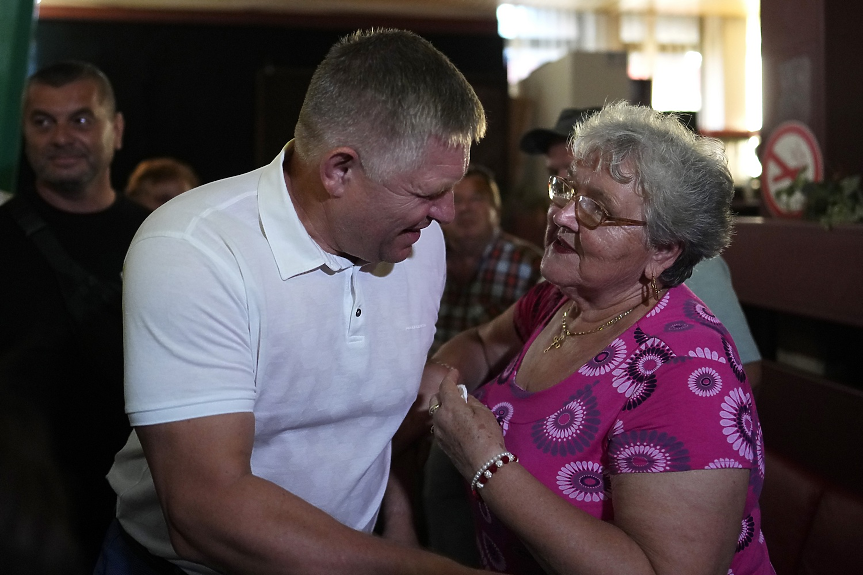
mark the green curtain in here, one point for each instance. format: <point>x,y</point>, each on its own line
<point>17,21</point>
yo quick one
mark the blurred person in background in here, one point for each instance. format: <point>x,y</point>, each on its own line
<point>64,236</point>
<point>156,180</point>
<point>487,271</point>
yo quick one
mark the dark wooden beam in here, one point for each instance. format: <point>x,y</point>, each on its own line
<point>455,25</point>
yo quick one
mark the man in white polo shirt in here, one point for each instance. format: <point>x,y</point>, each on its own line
<point>277,325</point>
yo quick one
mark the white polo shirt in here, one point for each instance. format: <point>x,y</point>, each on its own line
<point>230,306</point>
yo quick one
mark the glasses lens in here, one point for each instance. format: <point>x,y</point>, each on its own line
<point>589,212</point>
<point>559,191</point>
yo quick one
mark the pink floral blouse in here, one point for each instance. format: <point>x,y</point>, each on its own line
<point>668,395</point>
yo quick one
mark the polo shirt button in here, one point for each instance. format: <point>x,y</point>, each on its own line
<point>359,312</point>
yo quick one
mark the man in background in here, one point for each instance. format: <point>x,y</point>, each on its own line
<point>277,327</point>
<point>64,236</point>
<point>487,269</point>
<point>711,279</point>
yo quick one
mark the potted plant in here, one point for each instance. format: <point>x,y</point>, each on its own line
<point>831,202</point>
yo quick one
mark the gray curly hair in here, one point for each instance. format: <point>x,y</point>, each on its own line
<point>682,177</point>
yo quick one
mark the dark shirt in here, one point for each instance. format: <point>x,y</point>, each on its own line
<point>45,362</point>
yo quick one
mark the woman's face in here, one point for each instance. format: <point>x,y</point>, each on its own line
<point>604,263</point>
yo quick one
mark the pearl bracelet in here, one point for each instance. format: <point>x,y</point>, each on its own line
<point>488,469</point>
<point>440,363</point>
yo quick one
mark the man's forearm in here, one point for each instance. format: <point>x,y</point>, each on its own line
<point>254,526</point>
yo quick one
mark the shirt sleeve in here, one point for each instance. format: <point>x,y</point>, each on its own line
<point>186,333</point>
<point>692,413</point>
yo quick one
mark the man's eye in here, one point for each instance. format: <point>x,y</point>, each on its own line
<point>438,195</point>
<point>82,121</point>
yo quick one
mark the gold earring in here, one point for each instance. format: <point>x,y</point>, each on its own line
<point>654,288</point>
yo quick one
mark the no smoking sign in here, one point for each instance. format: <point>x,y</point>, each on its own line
<point>791,150</point>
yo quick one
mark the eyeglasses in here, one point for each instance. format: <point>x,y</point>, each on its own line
<point>587,210</point>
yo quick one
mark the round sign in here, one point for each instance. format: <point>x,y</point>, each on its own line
<point>791,151</point>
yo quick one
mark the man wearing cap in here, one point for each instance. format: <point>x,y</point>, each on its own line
<point>711,279</point>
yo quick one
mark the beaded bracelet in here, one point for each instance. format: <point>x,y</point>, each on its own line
<point>440,363</point>
<point>488,469</point>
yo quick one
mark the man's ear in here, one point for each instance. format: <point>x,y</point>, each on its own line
<point>338,168</point>
<point>663,258</point>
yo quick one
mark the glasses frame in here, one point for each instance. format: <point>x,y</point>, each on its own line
<point>570,195</point>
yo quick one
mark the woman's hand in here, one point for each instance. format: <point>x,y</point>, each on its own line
<point>467,432</point>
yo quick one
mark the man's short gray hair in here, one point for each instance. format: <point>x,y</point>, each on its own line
<point>385,93</point>
<point>683,178</point>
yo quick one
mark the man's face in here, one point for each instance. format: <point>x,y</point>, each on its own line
<point>387,217</point>
<point>558,159</point>
<point>475,215</point>
<point>69,135</point>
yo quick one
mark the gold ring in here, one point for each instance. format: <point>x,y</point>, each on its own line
<point>433,409</point>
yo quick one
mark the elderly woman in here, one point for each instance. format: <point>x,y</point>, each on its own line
<point>615,431</point>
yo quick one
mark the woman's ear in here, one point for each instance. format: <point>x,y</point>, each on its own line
<point>338,168</point>
<point>662,259</point>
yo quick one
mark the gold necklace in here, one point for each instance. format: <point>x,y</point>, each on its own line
<point>565,333</point>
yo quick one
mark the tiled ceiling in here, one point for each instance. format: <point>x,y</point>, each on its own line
<point>438,8</point>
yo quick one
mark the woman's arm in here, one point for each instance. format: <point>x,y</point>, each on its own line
<point>665,523</point>
<point>476,354</point>
<point>480,352</point>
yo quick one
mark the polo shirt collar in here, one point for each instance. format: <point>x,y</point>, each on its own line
<point>293,248</point>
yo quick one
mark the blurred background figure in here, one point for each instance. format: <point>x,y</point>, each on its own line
<point>156,180</point>
<point>487,270</point>
<point>64,236</point>
<point>35,532</point>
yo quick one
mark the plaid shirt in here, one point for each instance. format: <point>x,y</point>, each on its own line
<point>508,268</point>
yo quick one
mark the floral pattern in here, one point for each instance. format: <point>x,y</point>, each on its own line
<point>696,310</point>
<point>705,381</point>
<point>606,360</point>
<point>675,326</point>
<point>733,360</point>
<point>583,481</point>
<point>571,428</point>
<point>636,377</point>
<point>736,420</point>
<point>724,463</point>
<point>660,305</point>
<point>706,354</point>
<point>747,533</point>
<point>647,452</point>
<point>503,413</point>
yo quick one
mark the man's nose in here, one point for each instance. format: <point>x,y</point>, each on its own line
<point>443,208</point>
<point>61,134</point>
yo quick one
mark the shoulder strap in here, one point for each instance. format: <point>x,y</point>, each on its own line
<point>80,288</point>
